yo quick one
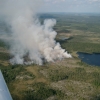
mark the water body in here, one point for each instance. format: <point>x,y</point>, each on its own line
<point>91,59</point>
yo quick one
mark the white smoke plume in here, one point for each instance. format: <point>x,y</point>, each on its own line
<point>31,41</point>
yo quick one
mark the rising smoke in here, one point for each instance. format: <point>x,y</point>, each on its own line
<point>31,41</point>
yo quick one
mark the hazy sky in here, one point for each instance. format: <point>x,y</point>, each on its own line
<point>71,6</point>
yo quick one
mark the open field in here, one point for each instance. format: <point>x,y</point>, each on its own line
<point>68,79</point>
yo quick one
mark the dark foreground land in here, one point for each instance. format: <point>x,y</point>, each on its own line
<point>69,79</point>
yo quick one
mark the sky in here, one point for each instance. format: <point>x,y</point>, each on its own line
<point>77,6</point>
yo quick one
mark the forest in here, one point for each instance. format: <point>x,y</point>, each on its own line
<point>67,79</point>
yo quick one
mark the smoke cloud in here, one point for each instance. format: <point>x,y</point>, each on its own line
<point>31,41</point>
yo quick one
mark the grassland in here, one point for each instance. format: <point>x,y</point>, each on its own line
<point>68,79</point>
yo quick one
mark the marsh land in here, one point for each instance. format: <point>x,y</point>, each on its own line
<point>68,79</point>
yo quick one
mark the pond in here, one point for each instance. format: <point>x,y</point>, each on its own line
<point>91,59</point>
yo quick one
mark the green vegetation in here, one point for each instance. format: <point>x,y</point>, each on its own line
<point>82,47</point>
<point>2,44</point>
<point>56,75</point>
<point>4,56</point>
<point>10,73</point>
<point>69,79</point>
<point>75,74</point>
<point>41,92</point>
